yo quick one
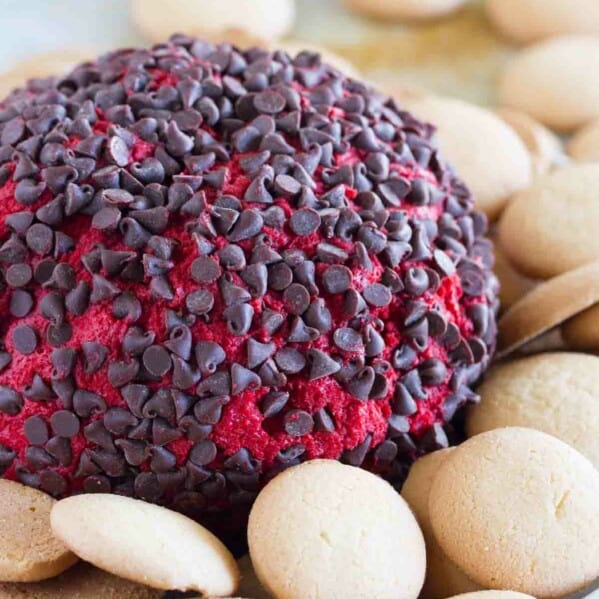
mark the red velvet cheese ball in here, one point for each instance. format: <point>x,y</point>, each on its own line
<point>219,263</point>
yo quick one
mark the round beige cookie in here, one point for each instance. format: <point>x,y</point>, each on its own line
<point>263,19</point>
<point>552,226</point>
<point>28,549</point>
<point>79,582</point>
<point>323,529</point>
<point>556,82</point>
<point>584,146</point>
<point>492,595</point>
<point>547,306</point>
<point>532,20</point>
<point>545,148</point>
<point>40,66</point>
<point>442,575</point>
<point>557,393</point>
<point>485,152</point>
<point>145,543</point>
<point>517,509</point>
<point>582,331</point>
<point>405,10</point>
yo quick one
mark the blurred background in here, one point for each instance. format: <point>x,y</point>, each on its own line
<point>457,55</point>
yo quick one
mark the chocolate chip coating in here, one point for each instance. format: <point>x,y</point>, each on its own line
<point>216,263</point>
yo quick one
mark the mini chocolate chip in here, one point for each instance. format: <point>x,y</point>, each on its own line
<point>51,307</point>
<point>148,487</point>
<point>203,453</point>
<point>374,344</point>
<point>318,316</point>
<point>348,340</point>
<point>106,219</point>
<point>63,361</point>
<point>94,356</point>
<point>36,430</point>
<point>288,186</point>
<point>386,452</point>
<point>413,383</point>
<point>38,390</point>
<point>416,281</point>
<point>418,333</point>
<point>59,334</point>
<point>200,302</point>
<point>290,360</point>
<point>356,456</point>
<point>361,385</point>
<point>24,339</point>
<point>327,252</point>
<point>403,402</point>
<point>64,423</point>
<point>300,333</point>
<point>205,270</point>
<point>298,423</point>
<point>336,279</point>
<point>444,263</point>
<point>119,420</point>
<point>134,451</point>
<point>304,221</point>
<point>296,299</point>
<point>86,403</point>
<point>291,453</point>
<point>239,318</point>
<point>479,315</point>
<point>323,421</point>
<point>272,403</point>
<point>248,225</point>
<point>231,257</point>
<point>102,290</point>
<point>77,300</point>
<point>209,356</point>
<point>280,276</point>
<point>21,303</point>
<point>242,378</point>
<point>157,361</point>
<point>256,277</point>
<point>162,460</point>
<point>434,438</point>
<point>269,102</point>
<point>377,295</point>
<point>209,410</point>
<point>258,352</point>
<point>321,364</point>
<point>461,354</point>
<point>18,275</point>
<point>437,325</point>
<point>432,371</point>
<point>19,222</point>
<point>160,404</point>
<point>122,372</point>
<point>40,239</point>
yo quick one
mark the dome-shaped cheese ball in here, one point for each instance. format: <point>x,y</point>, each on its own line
<point>217,264</point>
